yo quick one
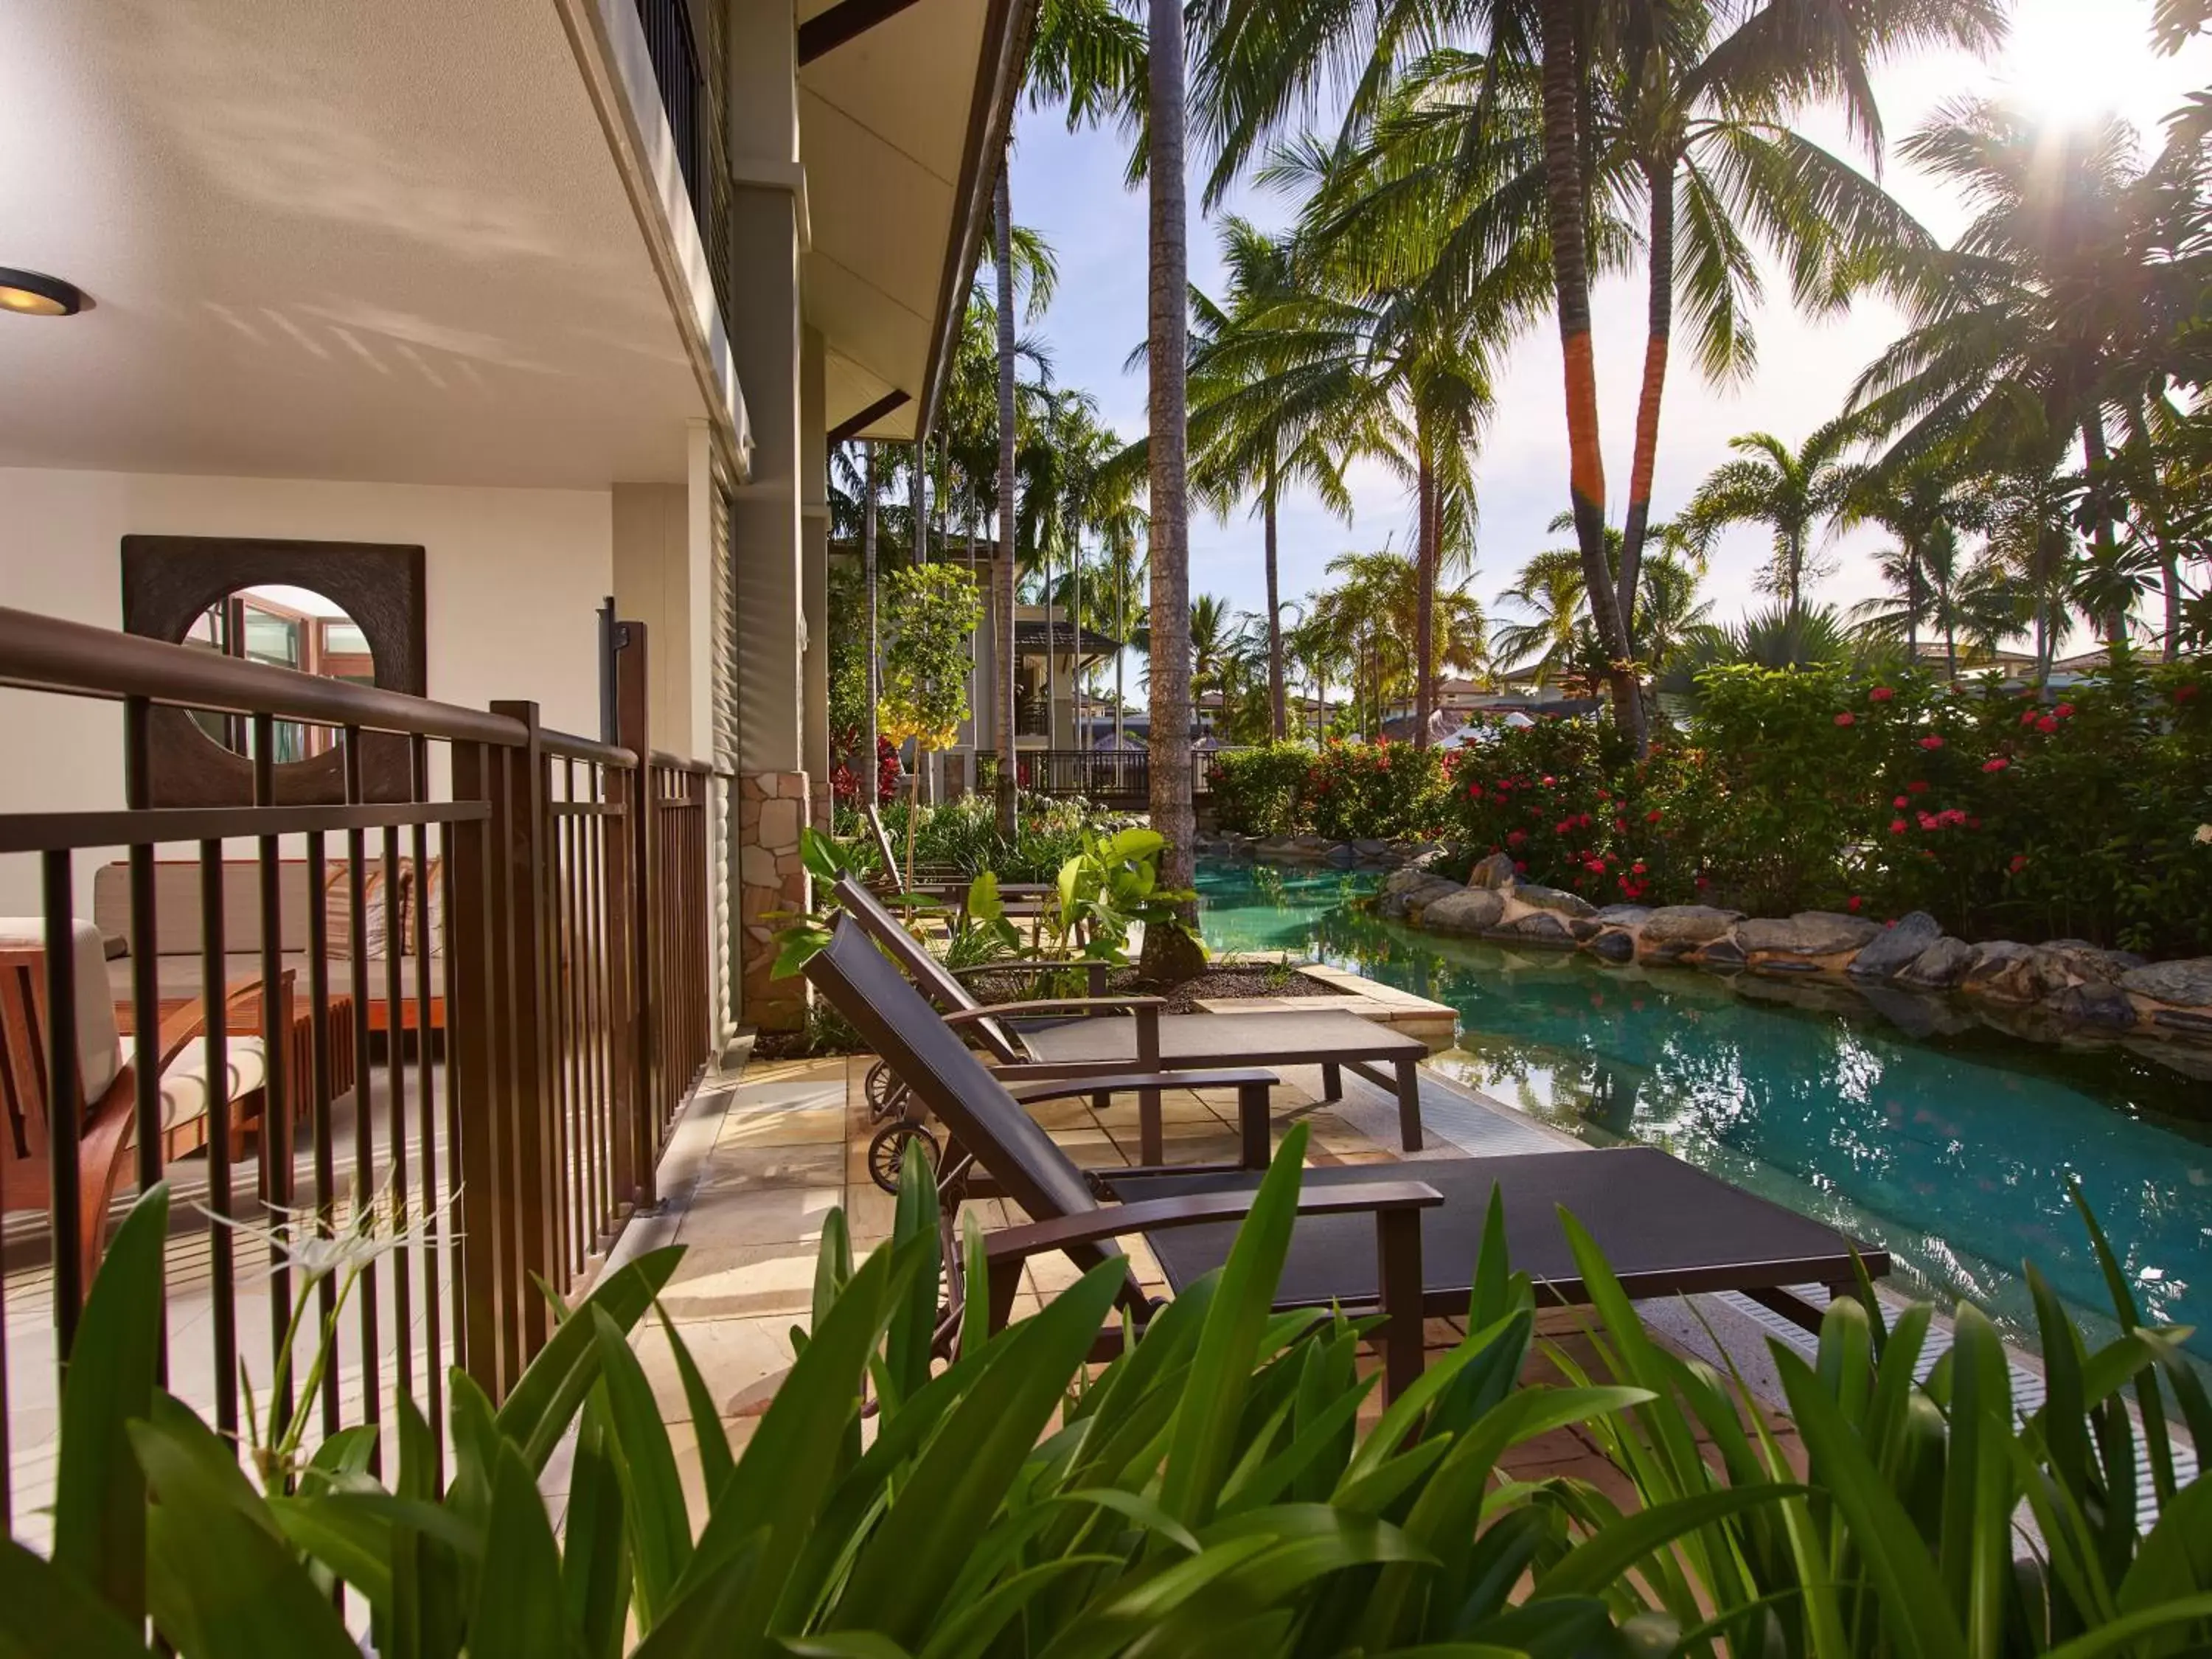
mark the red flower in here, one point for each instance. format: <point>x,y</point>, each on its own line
<point>2027,718</point>
<point>1704,881</point>
<point>1901,802</point>
<point>1851,904</point>
<point>1880,693</point>
<point>1637,867</point>
<point>1897,826</point>
<point>1521,867</point>
<point>2048,723</point>
<point>1619,826</point>
<point>1582,823</point>
<point>2183,693</point>
<point>1651,816</point>
<point>1931,741</point>
<point>1918,785</point>
<point>2019,863</point>
<point>2064,711</point>
<point>1549,781</point>
<point>1847,719</point>
<point>1929,822</point>
<point>1997,763</point>
<point>1563,826</point>
<point>1515,837</point>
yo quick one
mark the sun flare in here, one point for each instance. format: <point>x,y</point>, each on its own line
<point>2071,61</point>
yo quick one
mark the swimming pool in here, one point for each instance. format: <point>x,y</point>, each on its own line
<point>1903,1123</point>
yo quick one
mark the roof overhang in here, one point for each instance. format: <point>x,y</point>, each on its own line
<point>375,240</point>
<point>904,110</point>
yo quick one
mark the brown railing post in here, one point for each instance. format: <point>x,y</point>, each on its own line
<point>522,851</point>
<point>474,993</point>
<point>634,731</point>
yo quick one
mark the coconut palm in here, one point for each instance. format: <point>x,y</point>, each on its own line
<point>1698,123</point>
<point>1257,428</point>
<point>1323,656</point>
<point>2054,314</point>
<point>1926,505</point>
<point>1793,493</point>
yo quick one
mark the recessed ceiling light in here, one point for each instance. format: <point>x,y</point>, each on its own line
<point>36,295</point>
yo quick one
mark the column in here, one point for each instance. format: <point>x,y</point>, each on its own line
<point>761,69</point>
<point>814,566</point>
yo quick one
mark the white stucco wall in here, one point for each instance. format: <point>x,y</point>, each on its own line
<point>514,578</point>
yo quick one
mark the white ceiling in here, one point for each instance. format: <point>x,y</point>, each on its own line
<point>348,238</point>
<point>884,124</point>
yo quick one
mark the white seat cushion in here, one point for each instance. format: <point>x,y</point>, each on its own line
<point>184,1086</point>
<point>99,1053</point>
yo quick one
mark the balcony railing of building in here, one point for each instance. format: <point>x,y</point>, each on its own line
<point>492,994</point>
<point>681,50</point>
<point>1113,777</point>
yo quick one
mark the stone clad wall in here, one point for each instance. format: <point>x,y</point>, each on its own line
<point>773,808</point>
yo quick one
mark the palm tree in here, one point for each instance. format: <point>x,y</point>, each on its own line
<point>1322,655</point>
<point>1249,437</point>
<point>1552,590</point>
<point>1926,505</point>
<point>2055,310</point>
<point>1699,124</point>
<point>1777,636</point>
<point>1792,493</point>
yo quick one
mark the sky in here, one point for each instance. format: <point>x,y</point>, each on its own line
<point>2073,59</point>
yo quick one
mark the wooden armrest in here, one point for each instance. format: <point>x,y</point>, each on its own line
<point>191,1020</point>
<point>1117,1083</point>
<point>1013,1244</point>
<point>1052,1005</point>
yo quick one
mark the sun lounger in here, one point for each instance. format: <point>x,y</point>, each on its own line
<point>1667,1227</point>
<point>1062,1037</point>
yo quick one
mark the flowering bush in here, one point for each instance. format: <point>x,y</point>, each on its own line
<point>1379,791</point>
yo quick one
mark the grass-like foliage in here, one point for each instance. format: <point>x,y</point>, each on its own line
<point>918,1487</point>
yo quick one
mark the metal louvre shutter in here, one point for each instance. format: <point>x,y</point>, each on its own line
<point>722,690</point>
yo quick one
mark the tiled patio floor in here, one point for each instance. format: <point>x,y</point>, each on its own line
<point>791,1146</point>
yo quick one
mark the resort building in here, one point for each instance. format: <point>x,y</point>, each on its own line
<point>566,300</point>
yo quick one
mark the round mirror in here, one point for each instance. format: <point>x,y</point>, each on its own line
<point>294,628</point>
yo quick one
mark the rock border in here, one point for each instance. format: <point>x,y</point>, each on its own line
<point>2048,992</point>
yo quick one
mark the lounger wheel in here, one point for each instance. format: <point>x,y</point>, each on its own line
<point>887,1151</point>
<point>883,1090</point>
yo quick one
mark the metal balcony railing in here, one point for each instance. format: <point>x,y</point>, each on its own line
<point>675,42</point>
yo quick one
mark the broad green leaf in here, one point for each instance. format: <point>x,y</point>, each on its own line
<point>970,1632</point>
<point>768,1506</point>
<point>2149,1402</point>
<point>706,1431</point>
<point>45,1613</point>
<point>901,1576</point>
<point>1594,1563</point>
<point>520,1612</point>
<point>1915,1612</point>
<point>545,1398</point>
<point>595,1558</point>
<point>914,1321</point>
<point>1201,1447</point>
<point>100,1496</point>
<point>1976,1548</point>
<point>221,1585</point>
<point>845,1644</point>
<point>2125,1630</point>
<point>659,1528</point>
<point>984,904</point>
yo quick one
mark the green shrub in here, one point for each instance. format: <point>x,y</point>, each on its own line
<point>1380,791</point>
<point>1210,1491</point>
<point>1261,791</point>
<point>1810,788</point>
<point>964,834</point>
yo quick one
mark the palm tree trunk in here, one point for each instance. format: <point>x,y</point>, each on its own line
<point>1051,646</point>
<point>875,645</point>
<point>1274,614</point>
<point>1425,594</point>
<point>1002,568</point>
<point>924,760</point>
<point>1912,602</point>
<point>1120,654</point>
<point>1659,331</point>
<point>1564,212</point>
<point>1075,614</point>
<point>1169,954</point>
<point>2094,451</point>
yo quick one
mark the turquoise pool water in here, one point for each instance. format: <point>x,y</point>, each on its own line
<point>1947,1143</point>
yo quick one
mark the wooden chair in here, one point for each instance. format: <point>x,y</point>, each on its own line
<point>106,1109</point>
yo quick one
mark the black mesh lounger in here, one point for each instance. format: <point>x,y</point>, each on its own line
<point>1667,1227</point>
<point>1065,1036</point>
